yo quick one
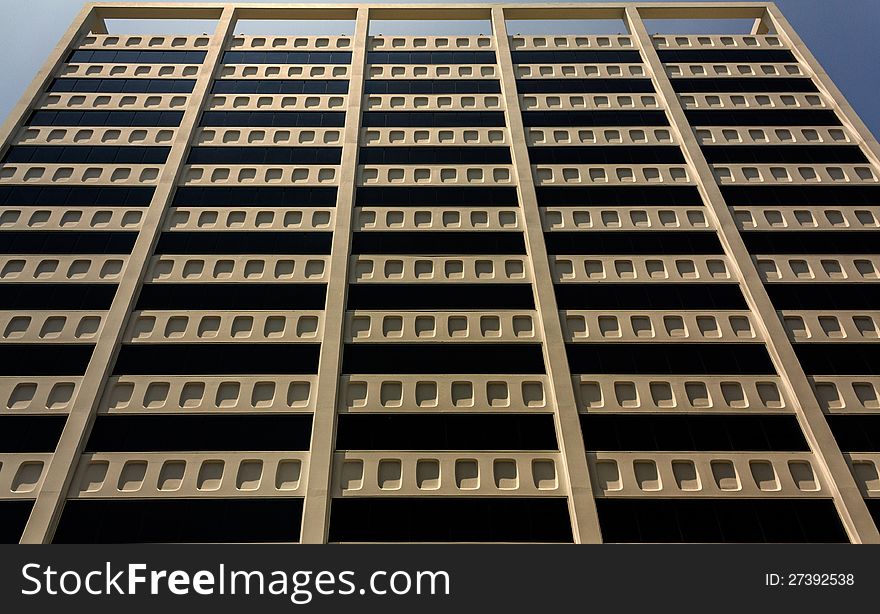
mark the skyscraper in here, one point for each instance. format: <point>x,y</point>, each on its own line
<point>493,288</point>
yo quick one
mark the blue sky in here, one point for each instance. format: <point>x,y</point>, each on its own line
<point>842,34</point>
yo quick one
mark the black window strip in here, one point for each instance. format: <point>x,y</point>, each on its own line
<point>432,86</point>
<point>458,519</point>
<point>143,521</point>
<point>839,358</point>
<point>434,155</point>
<point>277,119</point>
<point>66,242</point>
<point>812,242</point>
<point>618,154</point>
<point>763,117</point>
<point>697,433</point>
<point>825,296</point>
<point>790,195</point>
<point>30,434</point>
<point>445,432</point>
<point>280,86</point>
<point>639,296</point>
<point>216,196</point>
<point>121,119</point>
<point>14,516</point>
<point>286,57</point>
<point>264,155</point>
<point>598,242</point>
<point>243,297</point>
<point>72,296</point>
<point>594,118</point>
<point>129,433</point>
<point>123,86</point>
<point>744,84</point>
<point>430,57</point>
<point>435,119</point>
<point>576,56</point>
<point>584,86</point>
<point>762,154</point>
<point>78,196</point>
<point>217,359</point>
<point>134,56</point>
<point>766,520</point>
<point>81,154</point>
<point>618,196</point>
<point>18,360</point>
<point>670,358</point>
<point>855,432</point>
<point>726,55</point>
<point>243,242</point>
<point>501,358</point>
<point>440,296</point>
<point>445,242</point>
<point>433,195</point>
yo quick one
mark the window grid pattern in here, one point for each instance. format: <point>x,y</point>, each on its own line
<point>542,277</point>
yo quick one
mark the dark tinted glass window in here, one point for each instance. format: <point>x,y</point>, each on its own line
<point>653,433</point>
<point>252,296</point>
<point>135,56</point>
<point>434,155</point>
<point>395,296</point>
<point>122,119</point>
<point>760,154</point>
<point>430,57</point>
<point>725,55</point>
<point>277,119</point>
<point>446,242</point>
<point>264,155</point>
<point>445,432</point>
<point>280,86</point>
<point>432,86</point>
<point>66,242</point>
<point>619,154</point>
<point>638,296</point>
<point>825,296</point>
<point>581,56</point>
<point>720,520</point>
<point>839,358</point>
<point>443,358</point>
<point>132,433</point>
<point>744,84</point>
<point>71,154</point>
<point>139,521</point>
<point>763,117</point>
<point>453,519</point>
<point>236,242</point>
<point>670,358</point>
<point>217,359</point>
<point>619,196</point>
<point>614,242</point>
<point>192,196</point>
<point>793,195</point>
<point>286,57</point>
<point>594,118</point>
<point>424,196</point>
<point>124,86</point>
<point>812,242</point>
<point>432,119</point>
<point>80,196</point>
<point>584,86</point>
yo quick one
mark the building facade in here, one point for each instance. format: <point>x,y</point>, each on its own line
<point>492,288</point>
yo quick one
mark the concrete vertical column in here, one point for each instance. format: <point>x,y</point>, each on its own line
<point>316,510</point>
<point>50,500</point>
<point>582,505</point>
<point>832,465</point>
